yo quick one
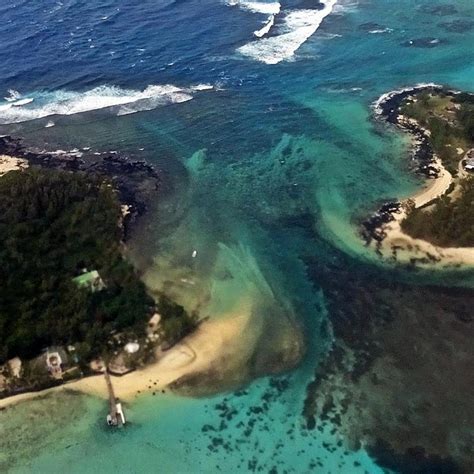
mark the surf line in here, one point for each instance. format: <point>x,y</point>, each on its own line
<point>297,27</point>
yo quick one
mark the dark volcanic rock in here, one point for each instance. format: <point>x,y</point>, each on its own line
<point>372,227</point>
<point>427,42</point>
<point>371,26</point>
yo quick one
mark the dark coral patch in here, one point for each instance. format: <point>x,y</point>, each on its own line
<point>413,460</point>
<point>426,42</point>
<point>457,26</point>
<point>445,9</point>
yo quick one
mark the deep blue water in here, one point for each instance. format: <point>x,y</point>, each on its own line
<point>253,149</point>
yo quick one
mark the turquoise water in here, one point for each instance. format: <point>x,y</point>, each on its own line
<point>272,167</point>
<point>161,438</point>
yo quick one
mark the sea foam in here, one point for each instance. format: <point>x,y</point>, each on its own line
<point>266,8</point>
<point>298,26</point>
<point>377,106</point>
<point>266,28</point>
<point>119,101</point>
<point>12,96</point>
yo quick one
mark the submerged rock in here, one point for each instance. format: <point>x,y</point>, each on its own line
<point>427,42</point>
<point>372,227</point>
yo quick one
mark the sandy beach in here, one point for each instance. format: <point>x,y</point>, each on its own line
<point>405,249</point>
<point>215,345</point>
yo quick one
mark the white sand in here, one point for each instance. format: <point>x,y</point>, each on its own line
<point>10,163</point>
<point>402,247</point>
<point>435,188</point>
<point>216,344</point>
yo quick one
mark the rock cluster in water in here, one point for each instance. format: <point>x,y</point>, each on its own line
<point>372,228</point>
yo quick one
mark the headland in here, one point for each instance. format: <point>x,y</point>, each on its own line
<point>146,341</point>
<point>438,120</point>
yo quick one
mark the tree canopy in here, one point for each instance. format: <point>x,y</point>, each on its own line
<point>53,224</point>
<point>450,223</point>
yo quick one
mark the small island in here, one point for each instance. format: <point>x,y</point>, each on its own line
<point>72,305</point>
<point>435,226</point>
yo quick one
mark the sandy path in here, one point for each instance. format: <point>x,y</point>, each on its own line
<point>435,188</point>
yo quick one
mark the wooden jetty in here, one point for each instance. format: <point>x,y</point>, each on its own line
<point>116,416</point>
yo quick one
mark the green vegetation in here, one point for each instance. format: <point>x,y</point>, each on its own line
<point>175,322</point>
<point>53,224</point>
<point>466,115</point>
<point>450,223</point>
<point>450,119</point>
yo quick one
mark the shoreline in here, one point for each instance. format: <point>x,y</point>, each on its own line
<point>214,358</point>
<point>211,347</point>
<point>136,182</point>
<point>383,229</point>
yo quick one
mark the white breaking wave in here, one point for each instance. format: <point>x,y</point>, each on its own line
<point>345,6</point>
<point>14,99</point>
<point>378,104</point>
<point>268,26</point>
<point>298,26</point>
<point>12,95</point>
<point>267,8</point>
<point>21,102</point>
<point>120,101</point>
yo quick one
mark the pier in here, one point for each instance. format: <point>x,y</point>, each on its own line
<point>116,416</point>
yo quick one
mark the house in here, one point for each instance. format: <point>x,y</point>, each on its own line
<point>56,361</point>
<point>97,365</point>
<point>468,161</point>
<point>153,325</point>
<point>90,280</point>
<point>469,164</point>
<point>119,364</point>
<point>14,366</point>
<point>132,347</point>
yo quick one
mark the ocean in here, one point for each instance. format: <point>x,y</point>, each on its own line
<point>273,159</point>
